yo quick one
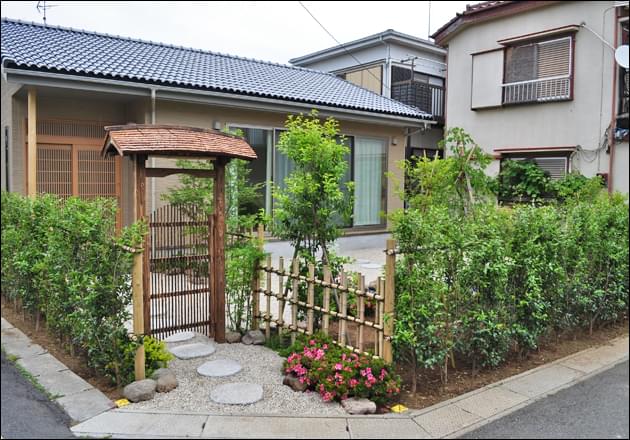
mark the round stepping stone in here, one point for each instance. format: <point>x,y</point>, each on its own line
<point>190,351</point>
<point>180,337</point>
<point>237,393</point>
<point>219,368</point>
<point>371,266</point>
<point>362,261</point>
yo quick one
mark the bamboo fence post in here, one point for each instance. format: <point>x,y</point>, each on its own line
<point>138,312</point>
<point>380,284</point>
<point>361,308</point>
<point>344,309</point>
<point>280,298</point>
<point>256,282</point>
<point>268,300</point>
<point>295,273</point>
<point>326,305</point>
<point>389,292</point>
<point>310,302</point>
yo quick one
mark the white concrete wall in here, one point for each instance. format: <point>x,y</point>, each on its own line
<point>582,121</point>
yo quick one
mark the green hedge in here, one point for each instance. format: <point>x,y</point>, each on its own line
<point>63,259</point>
<point>500,279</point>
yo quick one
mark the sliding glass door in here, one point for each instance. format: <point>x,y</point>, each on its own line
<point>369,166</point>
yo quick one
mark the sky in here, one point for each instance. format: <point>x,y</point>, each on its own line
<point>271,31</point>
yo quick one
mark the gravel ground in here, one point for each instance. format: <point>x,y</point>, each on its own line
<point>260,366</point>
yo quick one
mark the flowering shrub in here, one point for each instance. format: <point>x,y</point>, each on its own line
<point>337,373</point>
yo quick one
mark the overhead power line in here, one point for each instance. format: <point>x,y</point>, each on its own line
<point>337,41</point>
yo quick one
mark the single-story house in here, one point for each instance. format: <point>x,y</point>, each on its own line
<point>74,82</point>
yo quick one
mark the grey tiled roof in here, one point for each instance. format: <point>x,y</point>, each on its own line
<point>63,50</point>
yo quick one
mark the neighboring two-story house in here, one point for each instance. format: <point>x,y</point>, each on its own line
<point>396,65</point>
<point>538,79</point>
<point>62,86</point>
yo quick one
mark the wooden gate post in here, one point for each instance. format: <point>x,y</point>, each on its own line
<point>138,313</point>
<point>390,270</point>
<point>219,250</point>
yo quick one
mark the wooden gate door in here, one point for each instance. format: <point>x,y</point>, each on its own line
<point>180,265</point>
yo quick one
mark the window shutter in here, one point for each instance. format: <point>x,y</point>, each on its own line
<point>97,174</point>
<point>555,166</point>
<point>554,58</point>
<point>54,169</point>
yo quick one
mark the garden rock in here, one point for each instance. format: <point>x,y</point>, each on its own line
<point>359,406</point>
<point>140,390</point>
<point>254,337</point>
<point>161,372</point>
<point>294,383</point>
<point>167,382</point>
<point>232,337</point>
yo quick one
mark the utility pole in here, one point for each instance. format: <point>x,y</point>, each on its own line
<point>429,28</point>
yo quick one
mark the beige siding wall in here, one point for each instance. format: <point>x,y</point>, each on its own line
<point>582,121</point>
<point>370,78</point>
<point>620,168</point>
<point>7,111</point>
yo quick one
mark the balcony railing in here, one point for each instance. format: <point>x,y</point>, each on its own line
<point>427,97</point>
<point>537,90</point>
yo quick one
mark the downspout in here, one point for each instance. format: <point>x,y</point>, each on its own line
<point>613,113</point>
<point>153,98</point>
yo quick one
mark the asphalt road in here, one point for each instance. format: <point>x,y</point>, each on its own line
<point>26,412</point>
<point>595,408</point>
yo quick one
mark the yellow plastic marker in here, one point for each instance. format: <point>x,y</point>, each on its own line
<point>398,408</point>
<point>121,402</point>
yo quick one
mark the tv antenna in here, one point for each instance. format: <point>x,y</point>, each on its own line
<point>42,7</point>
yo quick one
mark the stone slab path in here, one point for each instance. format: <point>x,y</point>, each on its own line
<point>192,351</point>
<point>219,368</point>
<point>237,393</point>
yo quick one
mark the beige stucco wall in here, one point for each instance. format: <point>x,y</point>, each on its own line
<point>620,168</point>
<point>7,91</point>
<point>582,121</point>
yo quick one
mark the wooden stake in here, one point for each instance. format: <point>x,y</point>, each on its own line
<point>138,313</point>
<point>281,297</point>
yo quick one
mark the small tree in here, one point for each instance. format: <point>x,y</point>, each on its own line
<point>308,209</point>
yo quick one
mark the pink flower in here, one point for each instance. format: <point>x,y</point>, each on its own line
<point>383,374</point>
<point>353,383</point>
<point>338,366</point>
<point>312,342</point>
<point>325,346</point>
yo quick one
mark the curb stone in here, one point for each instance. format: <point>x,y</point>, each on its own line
<point>92,410</point>
<point>80,400</point>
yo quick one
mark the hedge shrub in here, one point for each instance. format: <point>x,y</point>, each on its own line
<point>479,284</point>
<point>63,259</point>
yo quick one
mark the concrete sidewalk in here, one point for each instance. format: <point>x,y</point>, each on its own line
<point>451,418</point>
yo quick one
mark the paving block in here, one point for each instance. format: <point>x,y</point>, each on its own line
<point>41,364</point>
<point>385,428</point>
<point>274,427</point>
<point>63,383</point>
<point>542,381</point>
<point>446,420</point>
<point>85,404</point>
<point>6,324</point>
<point>491,401</point>
<point>18,344</point>
<point>585,362</point>
<point>143,425</point>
